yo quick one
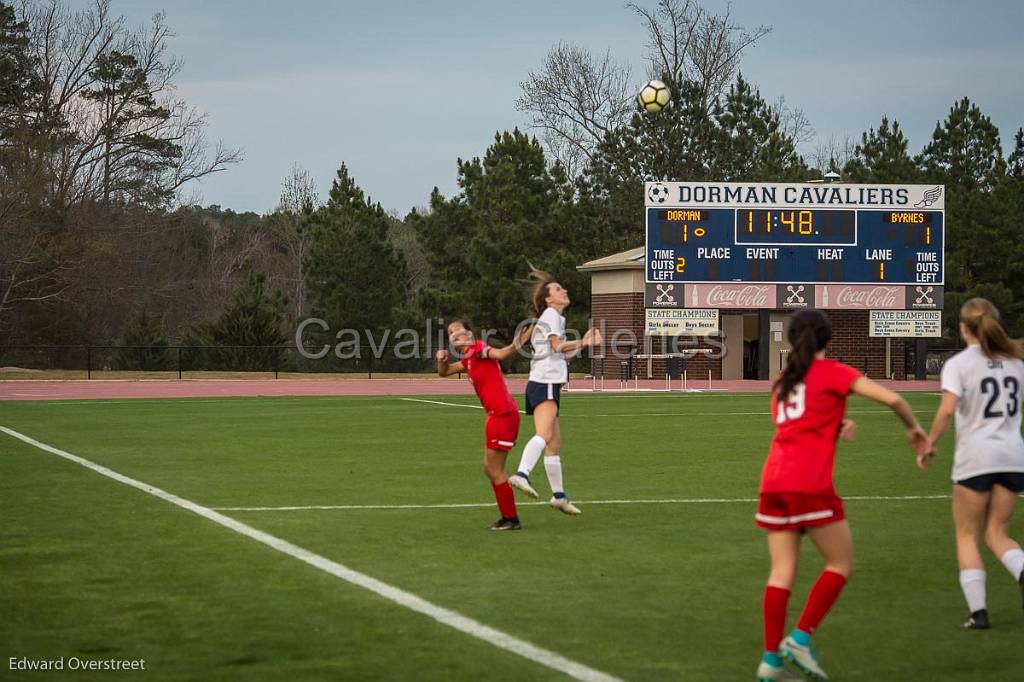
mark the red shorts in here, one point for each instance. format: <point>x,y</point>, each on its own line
<point>502,431</point>
<point>796,511</point>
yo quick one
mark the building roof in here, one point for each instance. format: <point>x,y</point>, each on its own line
<point>624,260</point>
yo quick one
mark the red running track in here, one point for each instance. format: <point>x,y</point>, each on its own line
<point>219,388</point>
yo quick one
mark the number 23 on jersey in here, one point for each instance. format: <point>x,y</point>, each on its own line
<point>990,387</point>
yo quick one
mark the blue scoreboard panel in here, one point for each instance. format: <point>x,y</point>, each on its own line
<point>887,242</point>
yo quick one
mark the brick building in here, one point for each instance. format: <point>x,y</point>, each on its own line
<point>753,318</point>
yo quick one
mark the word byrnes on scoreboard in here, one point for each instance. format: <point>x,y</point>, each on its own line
<point>783,233</point>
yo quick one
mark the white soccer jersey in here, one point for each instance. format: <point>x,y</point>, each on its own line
<point>988,436</point>
<point>547,366</point>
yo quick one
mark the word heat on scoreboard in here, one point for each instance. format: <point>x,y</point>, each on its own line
<point>812,233</point>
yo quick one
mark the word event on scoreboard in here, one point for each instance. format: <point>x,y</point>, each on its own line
<point>810,233</point>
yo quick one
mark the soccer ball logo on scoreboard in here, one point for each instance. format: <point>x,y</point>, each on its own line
<point>658,193</point>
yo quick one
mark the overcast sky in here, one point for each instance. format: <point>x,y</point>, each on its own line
<point>400,90</point>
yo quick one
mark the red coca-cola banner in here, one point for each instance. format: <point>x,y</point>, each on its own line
<point>788,296</point>
<point>861,297</point>
<point>716,295</point>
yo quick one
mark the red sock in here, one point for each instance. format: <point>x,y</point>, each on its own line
<point>506,499</point>
<point>775,601</point>
<point>823,595</point>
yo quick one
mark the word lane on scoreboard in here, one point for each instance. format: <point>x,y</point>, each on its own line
<point>814,233</point>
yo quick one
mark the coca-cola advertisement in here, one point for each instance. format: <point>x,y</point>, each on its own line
<point>717,295</point>
<point>859,297</point>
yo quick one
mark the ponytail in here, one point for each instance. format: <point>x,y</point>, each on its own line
<point>982,319</point>
<point>809,332</point>
<point>539,295</point>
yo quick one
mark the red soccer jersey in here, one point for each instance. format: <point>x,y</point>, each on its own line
<point>802,453</point>
<point>488,380</point>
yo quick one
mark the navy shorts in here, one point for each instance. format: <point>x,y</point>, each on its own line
<point>1011,480</point>
<point>537,393</point>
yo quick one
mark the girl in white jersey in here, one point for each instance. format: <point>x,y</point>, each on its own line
<point>982,386</point>
<point>548,371</point>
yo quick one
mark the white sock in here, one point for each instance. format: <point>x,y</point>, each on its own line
<point>531,453</point>
<point>553,467</point>
<point>972,582</point>
<point>1014,562</point>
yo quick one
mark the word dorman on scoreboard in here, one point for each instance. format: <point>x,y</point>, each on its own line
<point>811,233</point>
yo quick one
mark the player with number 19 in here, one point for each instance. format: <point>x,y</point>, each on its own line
<point>797,494</point>
<point>981,385</point>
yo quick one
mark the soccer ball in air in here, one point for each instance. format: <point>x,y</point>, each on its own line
<point>654,96</point>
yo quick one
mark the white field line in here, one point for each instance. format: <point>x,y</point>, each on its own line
<point>441,402</point>
<point>453,619</point>
<point>689,392</point>
<point>705,500</point>
<point>189,400</point>
<point>641,414</point>
<point>764,413</point>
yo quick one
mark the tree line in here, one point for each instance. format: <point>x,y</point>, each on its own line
<point>101,244</point>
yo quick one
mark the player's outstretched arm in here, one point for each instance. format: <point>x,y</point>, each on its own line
<point>916,435</point>
<point>505,352</point>
<point>446,369</point>
<point>943,418</point>
<point>572,348</point>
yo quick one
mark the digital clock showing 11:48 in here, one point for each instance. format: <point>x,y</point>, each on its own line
<point>794,226</point>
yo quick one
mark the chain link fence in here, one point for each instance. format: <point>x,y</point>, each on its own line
<point>191,362</point>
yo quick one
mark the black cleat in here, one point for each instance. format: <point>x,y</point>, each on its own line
<point>977,621</point>
<point>1020,581</point>
<point>506,524</point>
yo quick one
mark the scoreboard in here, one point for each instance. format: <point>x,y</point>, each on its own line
<point>811,233</point>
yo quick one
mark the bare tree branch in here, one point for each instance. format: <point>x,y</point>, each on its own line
<point>299,198</point>
<point>575,99</point>
<point>832,154</point>
<point>577,96</point>
<point>688,43</point>
<point>793,123</point>
<point>111,130</point>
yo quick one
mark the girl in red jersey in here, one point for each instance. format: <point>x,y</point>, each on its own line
<point>797,493</point>
<point>480,363</point>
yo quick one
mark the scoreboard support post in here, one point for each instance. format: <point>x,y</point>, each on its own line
<point>921,359</point>
<point>764,318</point>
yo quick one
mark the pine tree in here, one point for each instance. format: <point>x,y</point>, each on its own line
<point>513,210</point>
<point>882,157</point>
<point>145,346</point>
<point>130,157</point>
<point>965,150</point>
<point>355,278</point>
<point>17,79</point>
<point>740,140</point>
<point>1015,164</point>
<point>750,145</point>
<point>981,239</point>
<point>1007,204</point>
<point>252,317</point>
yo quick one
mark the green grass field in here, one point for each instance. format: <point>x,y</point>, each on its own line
<point>642,591</point>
